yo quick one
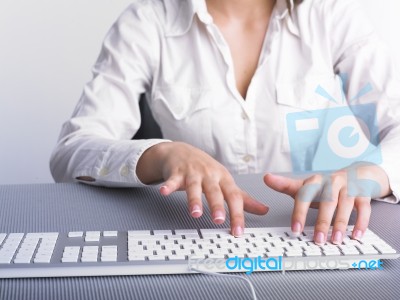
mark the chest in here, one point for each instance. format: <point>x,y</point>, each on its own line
<point>245,47</point>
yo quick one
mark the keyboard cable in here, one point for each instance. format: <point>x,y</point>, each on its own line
<point>249,283</point>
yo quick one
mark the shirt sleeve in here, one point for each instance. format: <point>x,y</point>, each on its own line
<point>359,55</point>
<point>96,141</point>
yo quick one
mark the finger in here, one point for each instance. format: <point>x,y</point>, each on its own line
<point>193,192</point>
<point>343,212</point>
<point>172,184</point>
<point>253,206</point>
<point>215,200</point>
<point>363,207</point>
<point>234,198</point>
<point>329,197</point>
<point>282,184</point>
<point>302,203</point>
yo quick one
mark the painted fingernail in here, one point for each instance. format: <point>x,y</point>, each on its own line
<point>337,237</point>
<point>357,234</point>
<point>219,216</point>
<point>238,231</point>
<point>296,228</point>
<point>196,211</point>
<point>319,238</point>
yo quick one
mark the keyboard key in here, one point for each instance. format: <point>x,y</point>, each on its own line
<point>156,257</point>
<point>312,253</point>
<point>385,249</point>
<point>331,253</point>
<point>89,258</point>
<point>75,234</point>
<point>294,254</point>
<point>136,258</point>
<point>69,259</point>
<point>351,242</point>
<point>42,259</point>
<point>144,233</point>
<point>22,260</point>
<point>110,233</point>
<point>216,255</point>
<point>351,251</point>
<point>162,232</point>
<point>187,233</point>
<point>92,236</point>
<point>367,249</point>
<point>177,257</point>
<point>215,232</point>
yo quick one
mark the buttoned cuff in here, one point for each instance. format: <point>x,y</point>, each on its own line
<point>116,166</point>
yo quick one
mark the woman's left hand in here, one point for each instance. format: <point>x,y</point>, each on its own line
<point>343,191</point>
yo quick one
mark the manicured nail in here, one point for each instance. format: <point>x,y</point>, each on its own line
<point>218,216</point>
<point>238,231</point>
<point>296,228</point>
<point>319,238</point>
<point>196,211</point>
<point>357,234</point>
<point>337,237</point>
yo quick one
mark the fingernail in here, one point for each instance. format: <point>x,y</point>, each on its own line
<point>319,238</point>
<point>238,231</point>
<point>196,211</point>
<point>357,234</point>
<point>296,228</point>
<point>218,216</point>
<point>337,237</point>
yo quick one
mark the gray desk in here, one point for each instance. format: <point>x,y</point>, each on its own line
<point>66,207</point>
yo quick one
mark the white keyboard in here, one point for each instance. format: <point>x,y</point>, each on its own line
<point>140,252</point>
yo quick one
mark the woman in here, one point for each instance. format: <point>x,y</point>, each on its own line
<point>223,78</point>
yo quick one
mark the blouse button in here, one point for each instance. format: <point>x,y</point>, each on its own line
<point>125,171</point>
<point>103,172</point>
<point>247,158</point>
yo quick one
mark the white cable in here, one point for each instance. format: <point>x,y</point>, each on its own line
<point>253,292</point>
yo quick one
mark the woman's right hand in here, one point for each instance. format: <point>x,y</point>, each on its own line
<point>184,167</point>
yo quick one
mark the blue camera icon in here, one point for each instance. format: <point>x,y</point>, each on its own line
<point>333,138</point>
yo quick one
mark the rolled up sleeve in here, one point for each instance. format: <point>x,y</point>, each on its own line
<point>96,141</point>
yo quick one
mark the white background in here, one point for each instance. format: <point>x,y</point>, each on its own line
<point>47,49</point>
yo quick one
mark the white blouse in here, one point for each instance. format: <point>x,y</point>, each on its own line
<point>294,118</point>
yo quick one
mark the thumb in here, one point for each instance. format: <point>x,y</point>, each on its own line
<point>286,185</point>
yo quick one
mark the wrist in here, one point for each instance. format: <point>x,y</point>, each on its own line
<point>150,164</point>
<point>365,172</point>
